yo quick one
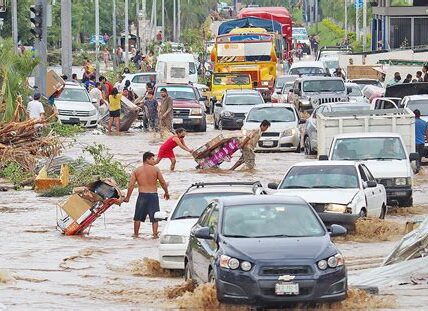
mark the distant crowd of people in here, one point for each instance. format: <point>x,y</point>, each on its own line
<point>421,76</point>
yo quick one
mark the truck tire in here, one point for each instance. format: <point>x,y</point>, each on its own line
<point>308,148</point>
<point>202,127</point>
<point>383,212</point>
<point>406,202</point>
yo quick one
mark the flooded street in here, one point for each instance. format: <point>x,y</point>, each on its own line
<point>40,268</point>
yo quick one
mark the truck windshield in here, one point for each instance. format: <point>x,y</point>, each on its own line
<point>323,86</point>
<point>307,71</point>
<point>421,104</point>
<point>321,176</point>
<point>231,80</point>
<point>272,114</point>
<point>368,148</point>
<point>178,92</point>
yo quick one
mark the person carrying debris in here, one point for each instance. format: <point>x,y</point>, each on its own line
<point>248,144</point>
<point>146,176</point>
<point>165,113</point>
<point>167,148</point>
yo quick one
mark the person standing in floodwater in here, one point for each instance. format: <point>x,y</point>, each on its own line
<point>166,151</point>
<point>146,176</point>
<point>165,113</point>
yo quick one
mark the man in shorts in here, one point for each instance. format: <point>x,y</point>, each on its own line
<point>248,144</point>
<point>147,176</point>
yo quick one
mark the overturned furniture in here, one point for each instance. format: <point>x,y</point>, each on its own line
<point>128,114</point>
<point>86,205</point>
<point>216,151</point>
<point>43,182</point>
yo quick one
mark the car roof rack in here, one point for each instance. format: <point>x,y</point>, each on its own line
<point>255,184</point>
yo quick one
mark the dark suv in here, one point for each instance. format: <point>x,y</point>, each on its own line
<point>188,112</point>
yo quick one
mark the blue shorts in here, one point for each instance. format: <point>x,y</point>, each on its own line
<point>147,204</point>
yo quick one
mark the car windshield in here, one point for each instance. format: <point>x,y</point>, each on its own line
<point>307,71</point>
<point>321,176</point>
<point>231,80</point>
<point>241,99</point>
<point>288,86</point>
<point>368,148</point>
<point>143,79</point>
<point>331,64</point>
<point>272,114</point>
<point>355,91</point>
<point>270,220</point>
<point>421,104</point>
<point>178,92</point>
<point>323,86</point>
<point>73,95</point>
<point>280,81</point>
<point>350,107</point>
<point>299,31</point>
<point>192,205</point>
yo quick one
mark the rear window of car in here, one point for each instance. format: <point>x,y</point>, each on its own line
<point>141,79</point>
<point>73,95</point>
<point>243,99</point>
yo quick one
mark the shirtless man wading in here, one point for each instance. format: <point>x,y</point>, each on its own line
<point>146,177</point>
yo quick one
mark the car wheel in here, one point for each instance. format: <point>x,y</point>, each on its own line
<point>215,124</point>
<point>308,148</point>
<point>187,272</point>
<point>220,125</point>
<point>383,212</point>
<point>298,149</point>
<point>363,213</point>
<point>406,202</point>
<point>202,127</point>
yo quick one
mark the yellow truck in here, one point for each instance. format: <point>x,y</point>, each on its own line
<point>250,53</point>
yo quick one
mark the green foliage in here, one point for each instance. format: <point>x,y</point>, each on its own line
<point>104,166</point>
<point>63,130</point>
<point>57,191</point>
<point>14,71</point>
<point>115,75</point>
<point>298,16</point>
<point>14,173</point>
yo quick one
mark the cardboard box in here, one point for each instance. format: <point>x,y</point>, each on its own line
<point>54,83</point>
<point>76,206</point>
<point>204,150</point>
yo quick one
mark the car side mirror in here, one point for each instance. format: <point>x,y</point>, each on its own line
<point>371,184</point>
<point>273,185</point>
<point>160,216</point>
<point>336,230</point>
<point>323,157</point>
<point>348,90</point>
<point>203,233</point>
<point>218,104</point>
<point>414,156</point>
<point>203,98</point>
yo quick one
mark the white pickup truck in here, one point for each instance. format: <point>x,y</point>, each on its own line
<point>383,140</point>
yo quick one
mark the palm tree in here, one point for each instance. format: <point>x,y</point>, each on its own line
<point>14,72</point>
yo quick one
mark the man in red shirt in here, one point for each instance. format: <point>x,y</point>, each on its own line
<point>106,86</point>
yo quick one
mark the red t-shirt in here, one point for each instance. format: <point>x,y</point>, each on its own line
<point>109,87</point>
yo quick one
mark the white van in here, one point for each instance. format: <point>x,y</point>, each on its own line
<point>178,58</point>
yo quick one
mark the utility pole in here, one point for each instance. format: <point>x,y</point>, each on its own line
<point>115,60</point>
<point>137,6</point>
<point>174,21</point>
<point>155,18</point>
<point>143,11</point>
<point>346,18</point>
<point>179,20</point>
<point>357,19</point>
<point>126,34</point>
<point>364,24</point>
<point>15,24</point>
<point>66,45</point>
<point>316,16</point>
<point>40,45</point>
<point>163,18</point>
<point>97,38</point>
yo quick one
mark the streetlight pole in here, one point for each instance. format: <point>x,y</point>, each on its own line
<point>174,21</point>
<point>364,24</point>
<point>346,18</point>
<point>179,20</point>
<point>316,16</point>
<point>163,18</point>
<point>97,38</point>
<point>115,60</point>
<point>126,34</point>
<point>66,45</point>
<point>143,9</point>
<point>15,24</point>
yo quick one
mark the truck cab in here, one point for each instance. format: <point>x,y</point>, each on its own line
<point>221,82</point>
<point>310,92</point>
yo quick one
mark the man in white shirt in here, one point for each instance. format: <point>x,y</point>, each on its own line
<point>35,108</point>
<point>97,94</point>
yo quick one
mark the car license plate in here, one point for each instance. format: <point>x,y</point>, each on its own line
<point>286,289</point>
<point>178,121</point>
<point>268,143</point>
<point>400,193</point>
<point>75,120</point>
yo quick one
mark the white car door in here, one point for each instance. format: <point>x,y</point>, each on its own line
<point>379,191</point>
<point>370,193</point>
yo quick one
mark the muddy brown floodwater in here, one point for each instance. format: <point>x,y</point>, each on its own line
<point>40,268</point>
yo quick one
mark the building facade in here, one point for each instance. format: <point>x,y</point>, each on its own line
<point>399,23</point>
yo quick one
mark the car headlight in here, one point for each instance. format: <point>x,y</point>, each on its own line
<point>172,239</point>
<point>315,102</point>
<point>234,263</point>
<point>335,208</point>
<point>402,181</point>
<point>93,112</point>
<point>196,111</point>
<point>331,262</point>
<point>290,132</point>
<point>265,83</point>
<point>227,114</point>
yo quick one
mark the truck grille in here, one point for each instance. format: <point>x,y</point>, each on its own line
<point>181,113</point>
<point>239,115</point>
<point>330,100</point>
<point>290,270</point>
<point>270,134</point>
<point>73,113</point>
<point>387,182</point>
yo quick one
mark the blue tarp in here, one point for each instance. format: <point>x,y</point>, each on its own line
<point>250,22</point>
